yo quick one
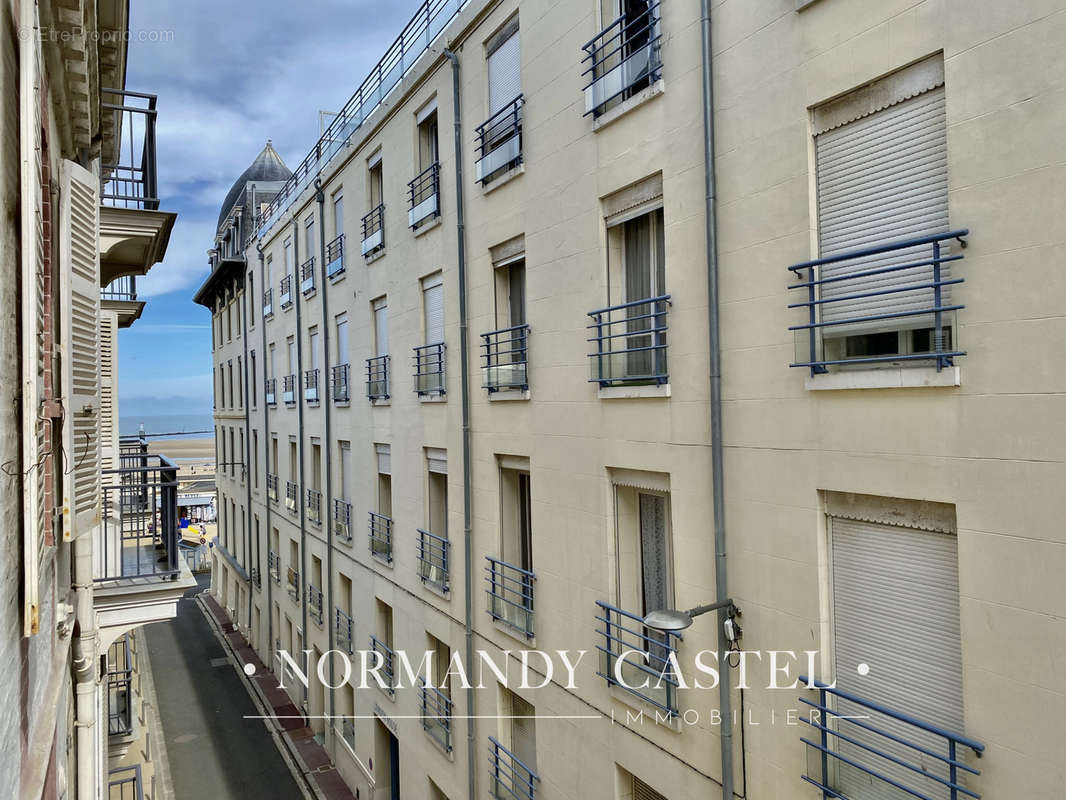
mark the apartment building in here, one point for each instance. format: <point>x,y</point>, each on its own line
<point>89,536</point>
<point>478,415</point>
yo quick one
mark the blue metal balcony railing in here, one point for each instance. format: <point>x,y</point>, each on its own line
<point>433,560</point>
<point>629,343</point>
<point>307,276</point>
<point>401,56</point>
<point>423,195</point>
<point>119,684</point>
<point>898,286</point>
<point>274,566</point>
<point>289,390</point>
<point>342,520</point>
<point>314,506</point>
<point>123,290</point>
<point>343,627</point>
<point>510,595</point>
<point>139,519</point>
<point>509,778</point>
<point>335,257</point>
<point>314,603</point>
<point>374,231</point>
<point>377,377</point>
<point>859,746</point>
<point>429,369</point>
<point>436,710</point>
<point>311,385</point>
<point>388,674</point>
<point>268,303</point>
<point>292,496</point>
<point>272,487</point>
<point>285,292</point>
<point>257,577</point>
<point>293,583</point>
<point>621,632</point>
<point>124,783</point>
<point>381,537</point>
<point>129,177</point>
<point>622,59</point>
<point>271,390</point>
<point>342,390</point>
<point>505,355</point>
<point>499,142</point>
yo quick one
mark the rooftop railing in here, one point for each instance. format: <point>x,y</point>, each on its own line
<point>897,287</point>
<point>139,511</point>
<point>509,777</point>
<point>504,355</point>
<point>433,560</point>
<point>341,387</point>
<point>860,748</point>
<point>429,368</point>
<point>436,708</point>
<point>377,378</point>
<point>343,627</point>
<point>381,537</point>
<point>629,343</point>
<point>307,276</point>
<point>622,58</point>
<point>499,142</point>
<point>423,194</point>
<point>311,385</point>
<point>510,595</point>
<point>342,519</point>
<point>128,173</point>
<point>335,257</point>
<point>388,672</point>
<point>122,290</point>
<point>648,659</point>
<point>428,21</point>
<point>374,231</point>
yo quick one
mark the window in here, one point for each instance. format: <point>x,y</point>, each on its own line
<point>499,138</point>
<point>338,213</point>
<point>345,476</point>
<point>505,349</point>
<point>625,57</point>
<point>427,136</point>
<point>435,696</point>
<point>269,267</point>
<point>375,181</point>
<point>309,237</point>
<point>240,384</point>
<point>433,555</point>
<point>290,346</point>
<point>513,756</point>
<point>429,359</point>
<point>383,453</point>
<point>255,458</point>
<point>378,364</point>
<point>511,575</point>
<point>503,62</point>
<point>255,379</point>
<point>251,298</point>
<point>341,337</point>
<point>423,190</point>
<point>289,258</point>
<point>273,361</point>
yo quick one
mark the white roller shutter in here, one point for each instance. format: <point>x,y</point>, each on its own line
<point>437,460</point>
<point>381,327</point>
<point>384,453</point>
<point>79,308</point>
<point>505,73</point>
<point>880,178</point>
<point>433,303</point>
<point>895,601</point>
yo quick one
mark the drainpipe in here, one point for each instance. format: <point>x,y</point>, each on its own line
<point>460,230</point>
<point>266,461</point>
<point>245,467</point>
<point>294,287</point>
<point>721,585</point>
<point>327,494</point>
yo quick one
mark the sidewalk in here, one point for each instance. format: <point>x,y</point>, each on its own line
<point>309,756</point>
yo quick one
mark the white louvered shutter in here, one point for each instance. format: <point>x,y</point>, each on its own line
<point>381,328</point>
<point>108,391</point>
<point>896,608</point>
<point>505,74</point>
<point>79,308</point>
<point>881,178</point>
<point>433,296</point>
<point>37,532</point>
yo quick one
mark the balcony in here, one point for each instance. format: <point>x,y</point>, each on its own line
<point>629,343</point>
<point>307,276</point>
<point>335,257</point>
<point>499,142</point>
<point>285,292</point>
<point>504,359</point>
<point>423,194</point>
<point>129,177</point>
<point>119,688</point>
<point>859,749</point>
<point>292,497</point>
<point>377,378</point>
<point>374,231</point>
<point>124,783</point>
<point>885,305</point>
<point>138,571</point>
<point>622,59</point>
<point>293,584</point>
<point>381,537</point>
<point>120,296</point>
<point>341,387</point>
<point>257,577</point>
<point>433,560</point>
<point>272,487</point>
<point>648,661</point>
<point>314,506</point>
<point>429,369</point>
<point>436,708</point>
<point>387,662</point>
<point>271,391</point>
<point>311,385</point>
<point>268,303</point>
<point>509,778</point>
<point>342,520</point>
<point>314,603</point>
<point>510,595</point>
<point>289,390</point>
<point>274,566</point>
<point>344,630</point>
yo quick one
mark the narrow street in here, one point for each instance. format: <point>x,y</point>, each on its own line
<point>214,751</point>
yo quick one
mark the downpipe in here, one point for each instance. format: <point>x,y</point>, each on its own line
<point>460,229</point>
<point>298,392</point>
<point>246,461</point>
<point>266,462</point>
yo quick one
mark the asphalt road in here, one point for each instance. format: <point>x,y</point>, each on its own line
<point>214,753</point>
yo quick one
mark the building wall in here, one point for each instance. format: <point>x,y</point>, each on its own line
<point>991,447</point>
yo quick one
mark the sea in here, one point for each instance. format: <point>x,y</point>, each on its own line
<point>185,426</point>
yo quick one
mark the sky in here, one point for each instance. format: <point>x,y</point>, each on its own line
<point>229,76</point>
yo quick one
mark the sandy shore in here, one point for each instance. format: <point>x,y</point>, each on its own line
<point>184,449</point>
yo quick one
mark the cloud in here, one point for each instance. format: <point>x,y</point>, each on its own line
<point>168,327</point>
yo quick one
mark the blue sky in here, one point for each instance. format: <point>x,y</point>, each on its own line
<point>229,75</point>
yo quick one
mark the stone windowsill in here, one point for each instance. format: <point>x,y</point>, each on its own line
<point>885,378</point>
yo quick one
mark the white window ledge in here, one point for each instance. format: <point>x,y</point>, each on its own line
<point>505,177</point>
<point>432,398</point>
<point>633,392</point>
<point>887,378</point>
<point>623,108</point>
<point>504,395</point>
<point>383,402</point>
<point>370,259</point>
<point>425,227</point>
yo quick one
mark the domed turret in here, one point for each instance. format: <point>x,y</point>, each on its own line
<point>266,172</point>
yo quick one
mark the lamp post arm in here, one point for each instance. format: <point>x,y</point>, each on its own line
<point>728,603</point>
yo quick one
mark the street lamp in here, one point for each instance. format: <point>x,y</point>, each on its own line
<point>671,620</point>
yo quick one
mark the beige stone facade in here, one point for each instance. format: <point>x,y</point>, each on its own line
<point>619,476</point>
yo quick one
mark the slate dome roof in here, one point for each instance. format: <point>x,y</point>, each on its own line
<point>267,166</point>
